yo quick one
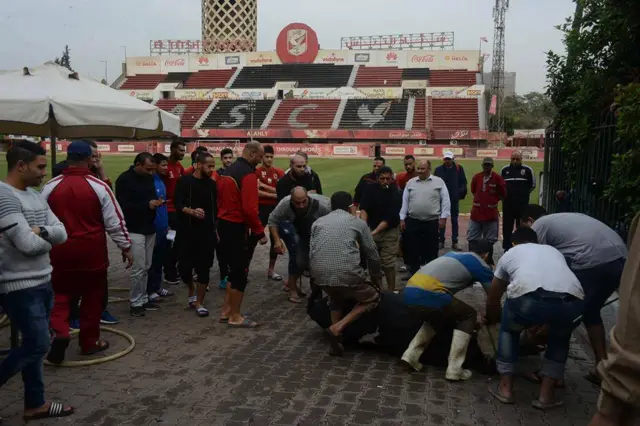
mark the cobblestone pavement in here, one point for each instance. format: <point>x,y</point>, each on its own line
<point>192,371</point>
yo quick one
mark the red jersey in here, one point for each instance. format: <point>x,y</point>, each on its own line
<point>189,171</point>
<point>238,197</point>
<point>269,177</point>
<point>175,170</point>
<point>403,177</point>
<point>486,196</point>
<point>95,214</point>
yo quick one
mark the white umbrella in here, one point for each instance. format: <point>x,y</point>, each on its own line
<point>51,101</point>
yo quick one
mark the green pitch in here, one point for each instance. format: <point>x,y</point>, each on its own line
<point>335,174</point>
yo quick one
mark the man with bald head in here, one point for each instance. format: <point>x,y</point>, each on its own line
<point>296,176</point>
<point>425,209</point>
<point>238,225</point>
<point>520,182</point>
<point>290,226</point>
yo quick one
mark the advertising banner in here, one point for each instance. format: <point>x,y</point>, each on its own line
<point>143,65</point>
<point>337,134</point>
<point>346,93</point>
<point>200,94</point>
<point>421,150</point>
<point>146,95</point>
<point>381,93</point>
<point>174,64</point>
<point>345,150</point>
<point>248,94</point>
<point>472,92</point>
<point>414,84</point>
<point>322,93</point>
<point>338,57</point>
<point>165,87</point>
<point>202,62</point>
<point>394,150</point>
<point>362,58</point>
<point>393,58</point>
<point>262,58</point>
<point>104,148</point>
<point>459,59</point>
<point>126,148</point>
<point>231,60</point>
<point>460,134</point>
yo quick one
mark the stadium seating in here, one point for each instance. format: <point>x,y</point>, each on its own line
<point>209,79</point>
<point>456,114</point>
<point>378,77</point>
<point>305,114</point>
<point>188,111</point>
<point>307,75</point>
<point>452,78</point>
<point>235,114</point>
<point>416,74</point>
<point>375,114</point>
<point>420,115</point>
<point>143,81</point>
<point>177,77</point>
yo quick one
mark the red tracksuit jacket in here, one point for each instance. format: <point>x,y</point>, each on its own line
<point>89,210</point>
<point>486,197</point>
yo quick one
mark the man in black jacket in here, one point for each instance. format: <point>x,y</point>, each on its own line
<point>520,182</point>
<point>368,178</point>
<point>297,175</point>
<point>196,204</point>
<point>136,194</point>
<point>454,177</point>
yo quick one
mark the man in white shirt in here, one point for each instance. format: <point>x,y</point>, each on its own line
<point>541,290</point>
<point>425,209</point>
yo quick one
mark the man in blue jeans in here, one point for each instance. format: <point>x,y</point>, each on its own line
<point>25,273</point>
<point>541,290</point>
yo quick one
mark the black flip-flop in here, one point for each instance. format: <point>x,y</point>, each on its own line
<point>494,390</point>
<point>55,410</point>
<point>336,347</point>
<point>58,350</point>
<point>101,346</point>
<point>536,378</point>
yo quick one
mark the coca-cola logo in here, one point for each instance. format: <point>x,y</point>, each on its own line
<point>333,58</point>
<point>174,63</point>
<point>423,58</point>
<point>391,56</point>
<point>261,60</point>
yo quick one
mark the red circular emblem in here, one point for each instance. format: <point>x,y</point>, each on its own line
<point>297,43</point>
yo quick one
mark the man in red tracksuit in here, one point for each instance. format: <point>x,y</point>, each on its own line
<point>488,188</point>
<point>88,209</point>
<point>238,226</point>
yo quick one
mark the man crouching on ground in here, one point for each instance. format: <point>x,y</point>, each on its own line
<point>337,242</point>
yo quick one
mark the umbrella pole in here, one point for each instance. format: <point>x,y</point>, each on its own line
<point>54,150</point>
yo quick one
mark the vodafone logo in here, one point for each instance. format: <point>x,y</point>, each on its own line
<point>417,59</point>
<point>333,59</point>
<point>297,43</point>
<point>174,63</point>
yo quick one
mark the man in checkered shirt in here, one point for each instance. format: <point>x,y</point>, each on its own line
<point>338,242</point>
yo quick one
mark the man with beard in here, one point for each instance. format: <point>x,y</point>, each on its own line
<point>368,178</point>
<point>175,170</point>
<point>31,230</point>
<point>410,172</point>
<point>380,208</point>
<point>238,223</point>
<point>226,156</point>
<point>521,181</point>
<point>454,177</point>
<point>97,170</point>
<point>316,185</point>
<point>80,265</point>
<point>295,176</point>
<point>196,202</point>
<point>291,221</point>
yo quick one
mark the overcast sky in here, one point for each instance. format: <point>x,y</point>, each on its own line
<point>35,31</point>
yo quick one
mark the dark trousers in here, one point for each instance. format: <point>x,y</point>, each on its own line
<point>74,309</point>
<point>160,253</point>
<point>454,226</point>
<point>511,215</point>
<point>171,260</point>
<point>235,243</point>
<point>421,242</point>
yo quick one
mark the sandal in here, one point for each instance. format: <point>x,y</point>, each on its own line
<point>224,320</point>
<point>246,323</point>
<point>274,277</point>
<point>295,300</point>
<point>593,378</point>
<point>202,312</point>
<point>100,346</point>
<point>192,302</point>
<point>536,403</point>
<point>336,347</point>
<point>58,350</point>
<point>495,391</point>
<point>55,410</point>
<point>536,378</point>
<point>165,293</point>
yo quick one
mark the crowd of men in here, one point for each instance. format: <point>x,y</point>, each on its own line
<point>170,222</point>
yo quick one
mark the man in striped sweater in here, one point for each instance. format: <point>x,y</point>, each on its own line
<point>25,273</point>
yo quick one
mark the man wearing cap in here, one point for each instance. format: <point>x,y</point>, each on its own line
<point>80,264</point>
<point>520,181</point>
<point>488,188</point>
<point>454,177</point>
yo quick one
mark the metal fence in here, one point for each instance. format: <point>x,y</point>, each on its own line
<point>577,184</point>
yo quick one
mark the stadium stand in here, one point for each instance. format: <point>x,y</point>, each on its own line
<point>420,115</point>
<point>374,114</point>
<point>416,74</point>
<point>143,81</point>
<point>235,114</point>
<point>177,77</point>
<point>307,76</point>
<point>188,111</point>
<point>378,77</point>
<point>305,114</point>
<point>455,114</point>
<point>452,78</point>
<point>209,79</point>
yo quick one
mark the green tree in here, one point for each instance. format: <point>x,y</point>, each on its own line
<point>533,110</point>
<point>65,59</point>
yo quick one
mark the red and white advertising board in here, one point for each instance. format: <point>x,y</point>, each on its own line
<point>174,64</point>
<point>338,57</point>
<point>143,65</point>
<point>146,95</point>
<point>337,134</point>
<point>255,59</point>
<point>381,92</point>
<point>392,58</point>
<point>203,62</point>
